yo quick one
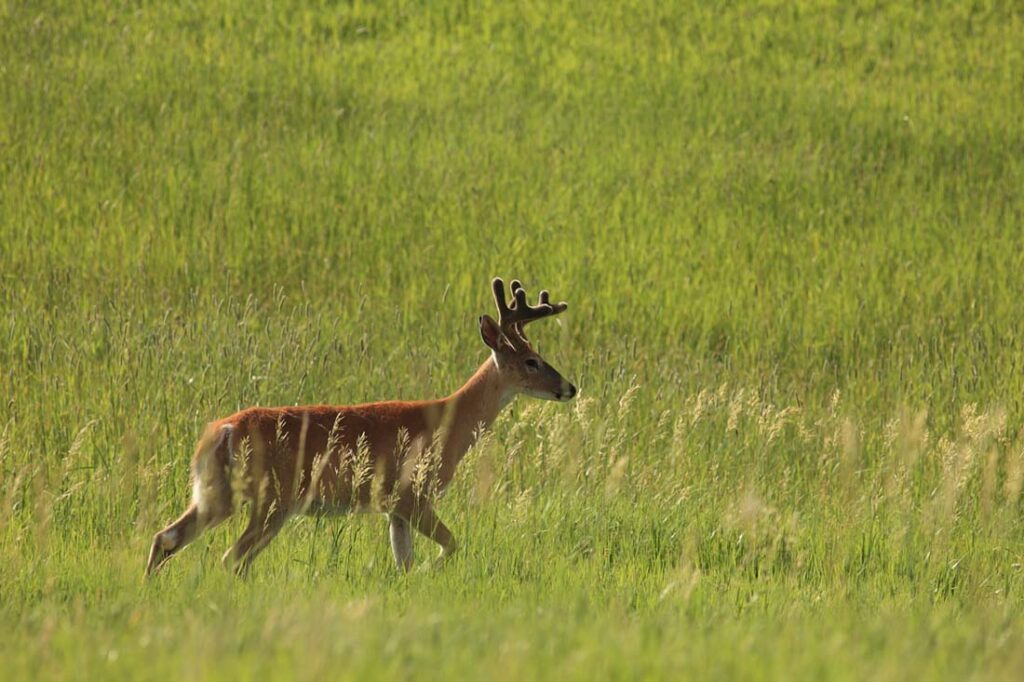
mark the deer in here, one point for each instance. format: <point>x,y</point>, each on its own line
<point>394,457</point>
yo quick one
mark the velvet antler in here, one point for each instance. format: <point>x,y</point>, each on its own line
<point>513,317</point>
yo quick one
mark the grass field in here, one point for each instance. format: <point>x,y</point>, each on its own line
<point>790,237</point>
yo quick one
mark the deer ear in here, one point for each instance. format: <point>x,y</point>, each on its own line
<point>490,332</point>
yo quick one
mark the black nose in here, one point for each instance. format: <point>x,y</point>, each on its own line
<point>572,390</point>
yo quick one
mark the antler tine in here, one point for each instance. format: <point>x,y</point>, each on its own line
<point>545,298</point>
<point>520,300</point>
<point>513,317</point>
<point>498,287</point>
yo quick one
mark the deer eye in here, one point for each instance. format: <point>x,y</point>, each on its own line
<point>532,364</point>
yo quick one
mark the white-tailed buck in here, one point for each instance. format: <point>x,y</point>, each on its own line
<point>391,457</point>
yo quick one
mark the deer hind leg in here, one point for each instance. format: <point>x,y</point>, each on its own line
<point>172,539</point>
<point>263,526</point>
<point>177,535</point>
<point>211,498</point>
<point>401,541</point>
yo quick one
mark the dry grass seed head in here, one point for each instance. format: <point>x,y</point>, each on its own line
<point>1014,478</point>
<point>616,475</point>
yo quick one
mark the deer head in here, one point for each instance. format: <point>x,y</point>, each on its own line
<point>525,370</point>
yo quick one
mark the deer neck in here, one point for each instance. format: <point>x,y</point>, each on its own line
<point>474,407</point>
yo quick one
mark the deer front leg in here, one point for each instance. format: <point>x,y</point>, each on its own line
<point>426,522</point>
<point>401,541</point>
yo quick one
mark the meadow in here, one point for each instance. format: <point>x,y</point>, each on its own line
<point>790,238</point>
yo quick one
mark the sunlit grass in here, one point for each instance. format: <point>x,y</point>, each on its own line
<point>789,237</point>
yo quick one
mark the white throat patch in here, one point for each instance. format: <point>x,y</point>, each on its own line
<point>509,394</point>
<point>506,398</point>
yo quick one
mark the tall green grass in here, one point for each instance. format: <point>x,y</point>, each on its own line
<point>790,239</point>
